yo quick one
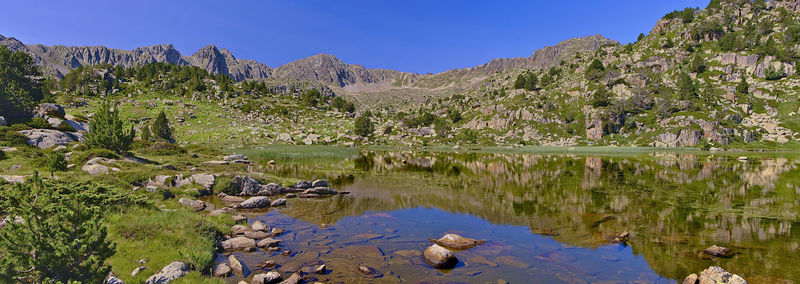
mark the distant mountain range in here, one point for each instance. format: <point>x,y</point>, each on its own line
<point>322,68</point>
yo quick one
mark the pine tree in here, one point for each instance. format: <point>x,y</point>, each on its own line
<point>55,161</point>
<point>520,82</point>
<point>160,129</point>
<point>146,136</point>
<point>363,125</point>
<point>743,87</point>
<point>60,239</point>
<point>687,88</point>
<point>531,81</point>
<point>20,88</point>
<point>107,132</point>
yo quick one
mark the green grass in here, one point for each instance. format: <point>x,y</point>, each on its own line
<point>163,237</point>
<point>298,154</point>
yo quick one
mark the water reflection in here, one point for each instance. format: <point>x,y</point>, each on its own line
<point>674,205</point>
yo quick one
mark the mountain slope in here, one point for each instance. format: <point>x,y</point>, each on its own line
<point>59,60</point>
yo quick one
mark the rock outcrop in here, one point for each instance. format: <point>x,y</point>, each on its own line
<point>170,272</point>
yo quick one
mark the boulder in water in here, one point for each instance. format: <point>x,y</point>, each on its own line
<point>440,257</point>
<point>455,241</point>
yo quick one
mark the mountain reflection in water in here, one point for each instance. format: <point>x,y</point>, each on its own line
<point>674,205</point>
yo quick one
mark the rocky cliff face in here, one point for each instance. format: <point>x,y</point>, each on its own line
<point>59,60</point>
<point>322,68</point>
<point>329,70</point>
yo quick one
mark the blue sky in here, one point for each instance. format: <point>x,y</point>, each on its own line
<point>413,36</point>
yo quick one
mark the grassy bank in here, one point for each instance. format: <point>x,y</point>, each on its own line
<point>161,237</point>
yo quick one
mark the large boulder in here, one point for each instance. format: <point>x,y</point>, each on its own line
<point>50,110</point>
<point>319,183</point>
<point>714,275</point>
<point>221,270</point>
<point>46,138</point>
<point>303,184</point>
<point>206,180</point>
<point>238,243</point>
<point>320,191</point>
<point>95,169</point>
<point>440,257</point>
<point>455,241</point>
<point>247,185</point>
<point>270,189</point>
<point>170,272</point>
<point>255,203</point>
<point>197,205</point>
<point>267,278</point>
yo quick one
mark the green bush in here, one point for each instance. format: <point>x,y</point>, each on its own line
<point>11,138</point>
<point>39,123</point>
<point>62,238</point>
<point>363,125</point>
<point>93,153</point>
<point>226,185</point>
<point>3,155</point>
<point>55,162</point>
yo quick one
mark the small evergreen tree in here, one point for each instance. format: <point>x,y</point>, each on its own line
<point>531,81</point>
<point>687,88</point>
<point>743,87</point>
<point>20,88</point>
<point>146,136</point>
<point>520,82</point>
<point>55,161</point>
<point>107,131</point>
<point>363,125</point>
<point>595,70</point>
<point>61,239</point>
<point>160,129</point>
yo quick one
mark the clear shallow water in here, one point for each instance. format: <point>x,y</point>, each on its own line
<point>547,218</point>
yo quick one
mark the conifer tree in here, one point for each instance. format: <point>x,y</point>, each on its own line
<point>743,87</point>
<point>160,129</point>
<point>363,125</point>
<point>55,161</point>
<point>106,130</point>
<point>60,238</point>
<point>146,136</point>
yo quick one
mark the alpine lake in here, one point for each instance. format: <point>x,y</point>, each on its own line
<point>546,217</point>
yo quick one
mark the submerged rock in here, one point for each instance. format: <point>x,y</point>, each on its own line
<point>320,269</point>
<point>170,272</point>
<point>237,265</point>
<point>717,251</point>
<point>268,242</point>
<point>455,241</point>
<point>294,279</point>
<point>440,257</point>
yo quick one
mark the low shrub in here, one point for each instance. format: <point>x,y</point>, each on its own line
<point>225,185</point>
<point>165,149</point>
<point>93,153</point>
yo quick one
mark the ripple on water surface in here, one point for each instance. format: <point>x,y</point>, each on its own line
<point>392,244</point>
